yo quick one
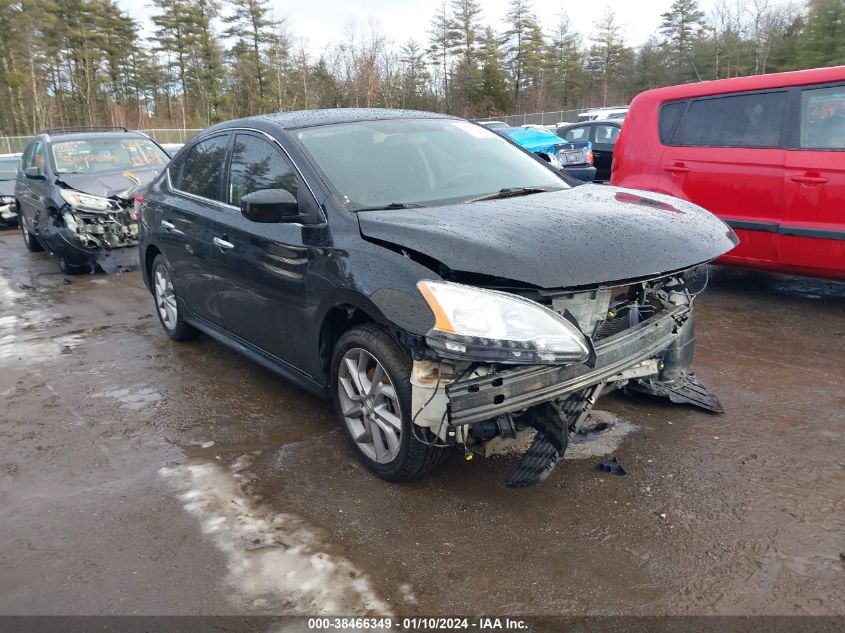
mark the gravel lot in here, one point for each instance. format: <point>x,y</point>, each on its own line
<point>142,476</point>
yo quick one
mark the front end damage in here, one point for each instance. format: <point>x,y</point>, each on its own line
<point>84,237</point>
<point>8,211</point>
<point>642,340</point>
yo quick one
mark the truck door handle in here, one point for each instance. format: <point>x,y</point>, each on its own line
<point>810,180</point>
<point>167,226</point>
<point>678,168</point>
<point>222,244</point>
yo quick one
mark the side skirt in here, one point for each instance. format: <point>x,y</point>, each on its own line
<point>274,364</point>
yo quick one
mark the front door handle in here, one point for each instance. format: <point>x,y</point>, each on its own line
<point>678,168</point>
<point>810,180</point>
<point>167,226</point>
<point>223,244</point>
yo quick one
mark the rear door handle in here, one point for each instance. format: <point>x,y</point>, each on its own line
<point>167,226</point>
<point>810,180</point>
<point>223,244</point>
<point>677,169</point>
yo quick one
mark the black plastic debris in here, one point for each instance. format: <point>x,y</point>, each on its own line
<point>611,466</point>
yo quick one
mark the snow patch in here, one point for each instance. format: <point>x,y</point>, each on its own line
<point>275,560</point>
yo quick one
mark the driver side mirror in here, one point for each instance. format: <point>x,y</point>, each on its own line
<point>271,205</point>
<point>33,172</point>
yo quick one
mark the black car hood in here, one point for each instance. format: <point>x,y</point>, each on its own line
<point>110,183</point>
<point>7,187</point>
<point>582,236</point>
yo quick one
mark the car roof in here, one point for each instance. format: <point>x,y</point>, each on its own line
<point>741,84</point>
<point>617,122</point>
<point>326,116</point>
<point>58,137</point>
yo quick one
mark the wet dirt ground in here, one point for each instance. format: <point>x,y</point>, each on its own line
<point>143,476</point>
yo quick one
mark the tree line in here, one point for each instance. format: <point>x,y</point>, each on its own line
<point>86,62</point>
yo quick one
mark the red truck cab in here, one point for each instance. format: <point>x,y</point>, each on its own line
<point>764,153</point>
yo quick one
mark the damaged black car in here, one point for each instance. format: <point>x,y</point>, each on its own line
<point>8,174</point>
<point>74,195</point>
<point>444,287</point>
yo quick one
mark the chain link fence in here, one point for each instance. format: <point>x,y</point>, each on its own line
<point>17,144</point>
<point>539,118</point>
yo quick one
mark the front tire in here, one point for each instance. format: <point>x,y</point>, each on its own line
<point>167,303</point>
<point>371,387</point>
<point>30,241</point>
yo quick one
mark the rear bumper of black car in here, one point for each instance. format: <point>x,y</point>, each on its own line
<point>516,389</point>
<point>587,173</point>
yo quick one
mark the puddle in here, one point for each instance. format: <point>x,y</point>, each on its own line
<point>210,449</point>
<point>133,399</point>
<point>14,347</point>
<point>276,561</point>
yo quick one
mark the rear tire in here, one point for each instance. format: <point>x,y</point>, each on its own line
<point>167,303</point>
<point>30,241</point>
<point>371,387</point>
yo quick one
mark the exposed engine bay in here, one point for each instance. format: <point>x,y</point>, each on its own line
<point>114,228</point>
<point>643,341</point>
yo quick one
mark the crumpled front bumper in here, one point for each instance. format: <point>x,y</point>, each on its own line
<point>511,390</point>
<point>8,214</point>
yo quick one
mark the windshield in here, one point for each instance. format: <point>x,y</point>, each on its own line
<point>108,154</point>
<point>374,164</point>
<point>9,168</point>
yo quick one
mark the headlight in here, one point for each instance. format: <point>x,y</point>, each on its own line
<point>85,201</point>
<point>7,199</point>
<point>491,326</point>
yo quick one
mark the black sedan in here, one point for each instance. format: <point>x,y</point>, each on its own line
<point>602,135</point>
<point>443,286</point>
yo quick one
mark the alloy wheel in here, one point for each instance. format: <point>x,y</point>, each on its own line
<point>165,297</point>
<point>370,406</point>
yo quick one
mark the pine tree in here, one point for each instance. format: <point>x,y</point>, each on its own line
<point>466,29</point>
<point>495,97</point>
<point>564,64</point>
<point>440,47</point>
<point>680,27</point>
<point>609,56</point>
<point>519,40</point>
<point>250,22</point>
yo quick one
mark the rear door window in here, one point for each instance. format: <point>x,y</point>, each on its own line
<point>202,168</point>
<point>577,135</point>
<point>823,118</point>
<point>747,120</point>
<point>670,115</point>
<point>607,134</point>
<point>257,165</point>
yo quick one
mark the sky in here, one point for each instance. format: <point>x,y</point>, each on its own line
<point>321,23</point>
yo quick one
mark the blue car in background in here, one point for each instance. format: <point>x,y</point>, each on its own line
<point>570,159</point>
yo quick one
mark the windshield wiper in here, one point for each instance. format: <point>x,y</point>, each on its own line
<point>510,192</point>
<point>391,206</point>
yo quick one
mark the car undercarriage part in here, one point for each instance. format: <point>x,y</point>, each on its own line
<point>675,381</point>
<point>553,422</point>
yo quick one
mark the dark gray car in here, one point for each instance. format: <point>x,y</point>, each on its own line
<point>74,194</point>
<point>443,286</point>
